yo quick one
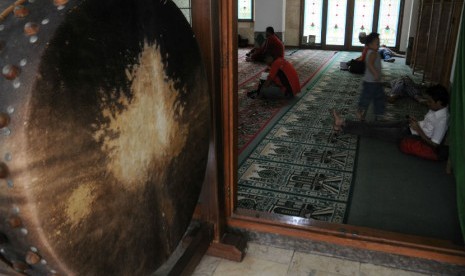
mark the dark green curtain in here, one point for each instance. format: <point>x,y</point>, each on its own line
<point>457,126</point>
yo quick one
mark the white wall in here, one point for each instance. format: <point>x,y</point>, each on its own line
<point>246,30</point>
<point>409,22</point>
<point>270,13</point>
<point>456,47</point>
<point>405,25</point>
<point>292,23</point>
<point>415,12</point>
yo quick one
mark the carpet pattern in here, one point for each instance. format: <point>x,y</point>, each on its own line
<point>247,70</point>
<point>254,115</point>
<point>301,167</point>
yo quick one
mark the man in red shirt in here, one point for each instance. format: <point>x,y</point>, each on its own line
<point>282,81</point>
<point>271,47</point>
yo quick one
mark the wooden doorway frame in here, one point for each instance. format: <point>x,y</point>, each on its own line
<point>225,129</point>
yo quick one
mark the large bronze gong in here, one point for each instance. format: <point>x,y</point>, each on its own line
<point>104,116</point>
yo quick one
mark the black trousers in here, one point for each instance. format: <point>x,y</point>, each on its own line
<point>386,131</point>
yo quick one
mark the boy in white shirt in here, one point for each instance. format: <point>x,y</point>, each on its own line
<point>429,132</point>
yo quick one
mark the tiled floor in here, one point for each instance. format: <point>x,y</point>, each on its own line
<point>264,260</point>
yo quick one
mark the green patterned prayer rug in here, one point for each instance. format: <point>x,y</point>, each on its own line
<point>298,166</point>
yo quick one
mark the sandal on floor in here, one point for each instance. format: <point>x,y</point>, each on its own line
<point>252,94</point>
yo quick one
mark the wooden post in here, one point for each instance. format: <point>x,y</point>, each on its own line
<point>199,240</point>
<point>215,26</point>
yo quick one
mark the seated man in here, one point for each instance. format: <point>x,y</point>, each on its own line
<point>388,54</point>
<point>271,47</point>
<point>362,38</point>
<point>357,65</point>
<point>281,82</point>
<point>420,138</point>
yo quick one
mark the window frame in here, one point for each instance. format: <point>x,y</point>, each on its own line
<point>399,22</point>
<point>349,31</point>
<point>251,19</point>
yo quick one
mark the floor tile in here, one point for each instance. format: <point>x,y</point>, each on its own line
<point>207,266</point>
<point>302,264</point>
<point>371,269</point>
<point>267,253</point>
<point>315,272</point>
<point>250,266</point>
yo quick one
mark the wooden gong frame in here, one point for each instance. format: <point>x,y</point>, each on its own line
<point>215,25</point>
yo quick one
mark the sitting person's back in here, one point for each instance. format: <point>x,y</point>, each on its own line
<point>362,38</point>
<point>274,47</point>
<point>364,54</point>
<point>281,82</point>
<point>284,74</point>
<point>357,65</point>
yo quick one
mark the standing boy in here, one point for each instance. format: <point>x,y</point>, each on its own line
<point>372,86</point>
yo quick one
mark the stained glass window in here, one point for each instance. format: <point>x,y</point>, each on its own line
<point>388,22</point>
<point>245,10</point>
<point>363,19</point>
<point>336,27</point>
<point>313,19</point>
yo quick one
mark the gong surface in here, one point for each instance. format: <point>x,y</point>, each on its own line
<point>107,142</point>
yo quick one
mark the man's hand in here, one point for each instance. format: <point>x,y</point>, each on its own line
<point>413,123</point>
<point>415,126</point>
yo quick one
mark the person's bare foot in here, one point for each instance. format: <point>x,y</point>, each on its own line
<point>360,114</point>
<point>338,121</point>
<point>392,98</point>
<point>420,99</point>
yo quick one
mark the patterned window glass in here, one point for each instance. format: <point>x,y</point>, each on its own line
<point>335,29</point>
<point>185,7</point>
<point>363,19</point>
<point>388,19</point>
<point>245,10</point>
<point>313,19</point>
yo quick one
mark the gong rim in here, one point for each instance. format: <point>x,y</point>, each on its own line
<point>62,99</point>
